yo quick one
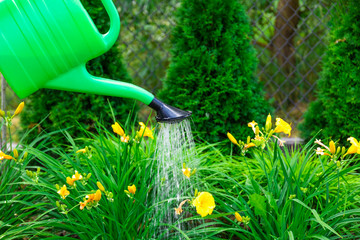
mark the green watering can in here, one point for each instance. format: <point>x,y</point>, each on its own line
<point>46,44</point>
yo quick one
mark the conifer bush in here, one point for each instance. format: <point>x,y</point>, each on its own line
<point>213,67</point>
<point>66,109</point>
<point>337,108</point>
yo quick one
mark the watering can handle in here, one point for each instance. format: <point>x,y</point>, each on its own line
<point>113,33</point>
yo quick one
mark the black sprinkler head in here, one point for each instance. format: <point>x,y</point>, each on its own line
<point>167,113</point>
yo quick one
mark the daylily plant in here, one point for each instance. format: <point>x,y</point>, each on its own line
<point>118,130</point>
<point>187,171</point>
<point>144,131</point>
<point>262,136</point>
<point>76,177</point>
<point>337,153</point>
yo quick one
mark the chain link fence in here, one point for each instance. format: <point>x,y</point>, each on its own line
<point>290,37</point>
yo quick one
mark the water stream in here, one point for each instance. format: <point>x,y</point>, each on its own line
<point>175,147</point>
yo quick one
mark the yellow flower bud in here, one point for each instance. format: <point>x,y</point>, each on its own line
<point>81,150</point>
<point>16,154</point>
<point>100,186</point>
<point>238,217</point>
<point>304,190</point>
<point>268,124</point>
<point>257,130</point>
<point>232,139</point>
<point>248,140</point>
<point>29,173</point>
<point>338,150</point>
<point>343,150</point>
<point>246,220</point>
<point>2,113</point>
<point>19,109</point>
<point>196,192</point>
<point>338,164</point>
<point>25,155</point>
<point>332,147</point>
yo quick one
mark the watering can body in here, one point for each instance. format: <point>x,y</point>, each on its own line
<point>46,44</point>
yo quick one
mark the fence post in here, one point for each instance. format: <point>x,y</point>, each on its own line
<point>3,107</point>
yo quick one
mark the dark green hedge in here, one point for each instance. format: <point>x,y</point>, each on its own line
<point>212,71</point>
<point>337,108</point>
<point>68,108</point>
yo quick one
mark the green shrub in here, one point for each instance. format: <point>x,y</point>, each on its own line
<point>337,108</point>
<point>68,108</point>
<point>212,69</point>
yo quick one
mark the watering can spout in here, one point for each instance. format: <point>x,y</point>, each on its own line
<point>79,80</point>
<point>167,113</point>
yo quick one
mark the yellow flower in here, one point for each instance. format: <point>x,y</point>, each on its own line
<point>252,124</point>
<point>187,172</point>
<point>63,192</point>
<point>282,126</point>
<point>232,139</point>
<point>70,181</point>
<point>355,146</point>
<point>117,129</point>
<point>94,196</point>
<point>77,176</point>
<point>332,147</point>
<point>81,150</point>
<point>83,204</point>
<point>132,189</point>
<point>97,195</point>
<point>238,217</point>
<point>100,186</point>
<point>320,151</point>
<point>204,204</point>
<point>249,145</point>
<point>4,156</point>
<point>179,210</point>
<point>144,131</point>
<point>19,109</point>
<point>125,138</point>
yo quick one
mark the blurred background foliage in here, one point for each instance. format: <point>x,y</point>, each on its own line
<point>290,37</point>
<point>336,109</point>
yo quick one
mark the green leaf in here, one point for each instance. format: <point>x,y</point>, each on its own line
<point>258,202</point>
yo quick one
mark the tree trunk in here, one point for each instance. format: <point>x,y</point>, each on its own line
<point>286,22</point>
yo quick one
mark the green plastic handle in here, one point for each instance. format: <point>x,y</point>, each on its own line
<point>113,33</point>
<point>79,80</point>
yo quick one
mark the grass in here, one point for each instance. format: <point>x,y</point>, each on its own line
<point>286,194</point>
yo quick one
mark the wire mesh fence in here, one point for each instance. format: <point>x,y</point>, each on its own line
<point>290,37</point>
